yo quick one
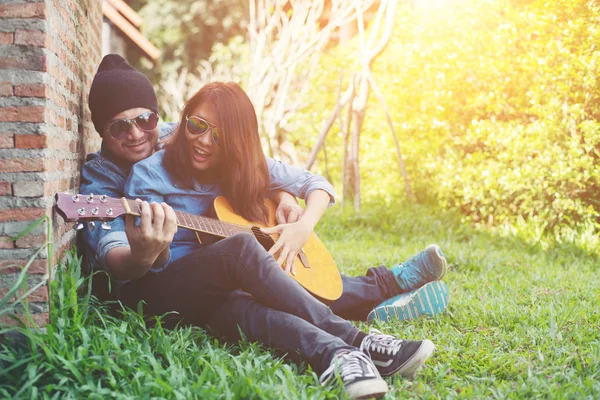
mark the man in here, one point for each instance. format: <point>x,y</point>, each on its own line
<point>124,111</point>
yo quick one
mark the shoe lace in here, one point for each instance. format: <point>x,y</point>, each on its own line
<point>349,365</point>
<point>381,343</point>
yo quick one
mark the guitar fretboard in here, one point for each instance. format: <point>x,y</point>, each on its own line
<point>200,223</point>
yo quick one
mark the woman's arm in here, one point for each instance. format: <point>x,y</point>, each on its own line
<point>296,181</point>
<point>319,195</point>
<point>288,209</point>
<point>293,236</point>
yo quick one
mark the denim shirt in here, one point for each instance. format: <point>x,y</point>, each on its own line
<point>102,175</point>
<point>150,181</point>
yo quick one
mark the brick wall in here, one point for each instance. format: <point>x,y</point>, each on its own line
<point>49,51</point>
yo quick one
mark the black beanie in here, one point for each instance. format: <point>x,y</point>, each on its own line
<point>117,87</point>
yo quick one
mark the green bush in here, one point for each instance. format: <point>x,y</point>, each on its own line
<point>497,108</point>
<point>501,172</point>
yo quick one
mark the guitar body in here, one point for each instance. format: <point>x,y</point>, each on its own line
<point>315,270</point>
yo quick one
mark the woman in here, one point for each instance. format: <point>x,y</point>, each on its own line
<point>217,151</point>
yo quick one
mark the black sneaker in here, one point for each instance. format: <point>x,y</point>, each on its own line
<point>359,375</point>
<point>392,355</point>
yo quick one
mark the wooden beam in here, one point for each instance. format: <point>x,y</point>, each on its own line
<point>130,31</point>
<point>127,12</point>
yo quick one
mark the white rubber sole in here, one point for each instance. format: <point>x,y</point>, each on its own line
<point>367,389</point>
<point>409,369</point>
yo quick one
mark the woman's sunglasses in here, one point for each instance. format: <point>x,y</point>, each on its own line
<point>199,126</point>
<point>120,128</point>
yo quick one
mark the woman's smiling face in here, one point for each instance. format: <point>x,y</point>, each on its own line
<point>205,154</point>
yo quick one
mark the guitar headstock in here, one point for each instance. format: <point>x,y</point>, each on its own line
<point>84,207</point>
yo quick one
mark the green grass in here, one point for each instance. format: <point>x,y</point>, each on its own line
<point>523,321</point>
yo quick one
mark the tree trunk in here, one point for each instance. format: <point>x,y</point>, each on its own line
<point>347,192</point>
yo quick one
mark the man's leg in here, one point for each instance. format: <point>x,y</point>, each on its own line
<point>241,315</point>
<point>197,284</point>
<point>289,335</point>
<point>383,286</point>
<point>362,293</point>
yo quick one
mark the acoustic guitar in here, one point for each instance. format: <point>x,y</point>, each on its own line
<point>315,268</point>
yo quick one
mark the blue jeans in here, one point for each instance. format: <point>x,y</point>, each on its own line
<point>362,293</point>
<point>199,284</point>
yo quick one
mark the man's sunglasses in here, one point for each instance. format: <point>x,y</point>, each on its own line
<point>199,126</point>
<point>120,128</point>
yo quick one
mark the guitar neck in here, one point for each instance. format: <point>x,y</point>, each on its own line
<point>196,223</point>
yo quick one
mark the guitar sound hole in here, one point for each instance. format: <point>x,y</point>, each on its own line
<point>264,239</point>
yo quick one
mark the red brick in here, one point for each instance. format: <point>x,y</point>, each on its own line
<point>6,89</point>
<point>21,214</point>
<point>22,165</point>
<point>6,37</point>
<point>37,267</point>
<point>22,114</point>
<point>29,241</point>
<point>28,189</point>
<point>27,37</point>
<point>59,252</point>
<point>38,295</point>
<point>36,10</point>
<point>40,319</point>
<point>60,101</point>
<point>63,185</point>
<point>5,189</point>
<point>7,140</point>
<point>30,141</point>
<point>34,63</point>
<point>6,242</point>
<point>35,90</point>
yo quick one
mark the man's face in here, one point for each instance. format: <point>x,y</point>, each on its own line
<point>137,144</point>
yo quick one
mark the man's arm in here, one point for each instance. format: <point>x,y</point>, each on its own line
<point>148,243</point>
<point>126,251</point>
<point>149,240</point>
<point>102,177</point>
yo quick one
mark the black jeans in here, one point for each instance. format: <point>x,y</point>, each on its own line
<point>198,285</point>
<point>242,314</point>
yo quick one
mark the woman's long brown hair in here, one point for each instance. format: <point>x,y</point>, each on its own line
<point>244,168</point>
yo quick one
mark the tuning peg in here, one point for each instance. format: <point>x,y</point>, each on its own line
<point>106,226</point>
<point>78,226</point>
<point>92,225</point>
<point>90,198</point>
